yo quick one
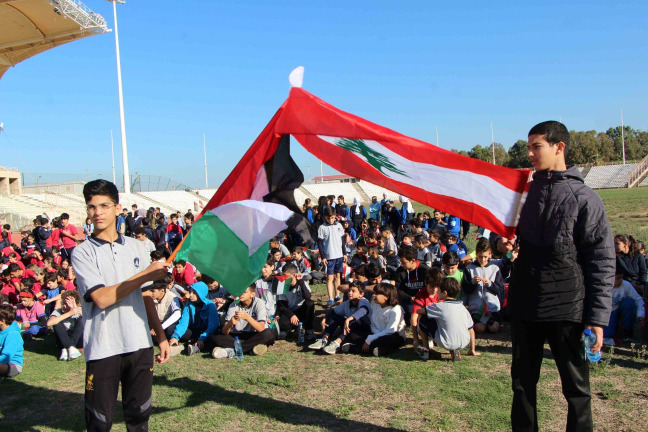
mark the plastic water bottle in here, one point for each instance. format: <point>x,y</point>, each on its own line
<point>589,339</point>
<point>238,349</point>
<point>300,333</point>
<point>272,322</point>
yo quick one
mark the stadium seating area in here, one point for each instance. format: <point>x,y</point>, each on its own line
<point>610,176</point>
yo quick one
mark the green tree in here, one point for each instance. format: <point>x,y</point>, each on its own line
<point>501,156</point>
<point>518,155</point>
<point>633,148</point>
<point>481,153</point>
<point>583,148</point>
<point>605,148</point>
<point>461,152</point>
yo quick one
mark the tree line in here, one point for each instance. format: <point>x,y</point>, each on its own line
<point>586,147</point>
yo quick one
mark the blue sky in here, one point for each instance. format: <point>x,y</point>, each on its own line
<point>221,68</point>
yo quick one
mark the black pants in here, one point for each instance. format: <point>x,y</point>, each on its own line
<point>69,338</point>
<point>305,313</point>
<point>567,349</point>
<point>248,339</point>
<point>335,326</point>
<point>191,337</point>
<point>135,372</point>
<point>388,343</point>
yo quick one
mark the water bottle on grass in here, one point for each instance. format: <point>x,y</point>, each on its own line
<point>300,333</point>
<point>238,349</point>
<point>589,339</point>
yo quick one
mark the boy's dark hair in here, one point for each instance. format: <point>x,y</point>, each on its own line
<point>13,267</point>
<point>450,258</point>
<point>50,277</point>
<point>12,255</point>
<point>71,293</point>
<point>553,131</point>
<point>436,232</point>
<point>421,238</point>
<point>298,249</point>
<point>329,211</point>
<point>146,221</point>
<point>183,263</point>
<point>139,230</point>
<point>207,279</point>
<point>434,277</point>
<point>483,245</point>
<point>156,255</point>
<point>360,270</point>
<point>64,216</point>
<point>159,285</point>
<point>290,268</point>
<point>189,216</point>
<point>134,205</point>
<point>270,261</point>
<point>274,251</point>
<point>62,273</point>
<point>252,288</point>
<point>389,291</point>
<point>6,227</point>
<point>7,314</point>
<point>415,223</point>
<point>173,215</point>
<point>408,252</point>
<point>385,228</point>
<point>372,271</point>
<point>168,278</point>
<point>359,286</point>
<point>98,187</point>
<point>275,240</point>
<point>27,282</point>
<point>451,287</point>
<point>341,197</point>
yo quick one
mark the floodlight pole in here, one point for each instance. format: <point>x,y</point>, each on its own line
<point>122,122</point>
<point>112,150</point>
<point>623,137</point>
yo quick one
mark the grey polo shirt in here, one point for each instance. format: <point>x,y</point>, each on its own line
<point>257,310</point>
<point>122,327</point>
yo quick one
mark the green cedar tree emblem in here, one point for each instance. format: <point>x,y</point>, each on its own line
<point>374,158</point>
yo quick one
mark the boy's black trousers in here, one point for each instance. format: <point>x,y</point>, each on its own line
<point>248,339</point>
<point>567,348</point>
<point>135,372</point>
<point>305,313</point>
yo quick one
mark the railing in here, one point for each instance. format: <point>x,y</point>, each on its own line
<point>638,172</point>
<point>139,183</point>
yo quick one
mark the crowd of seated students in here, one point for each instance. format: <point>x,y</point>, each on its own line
<point>386,269</point>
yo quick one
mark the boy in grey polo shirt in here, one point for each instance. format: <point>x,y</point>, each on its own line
<point>110,270</point>
<point>247,320</point>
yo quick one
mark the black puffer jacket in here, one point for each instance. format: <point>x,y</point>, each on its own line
<point>565,268</point>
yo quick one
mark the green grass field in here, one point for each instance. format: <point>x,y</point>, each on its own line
<point>292,390</point>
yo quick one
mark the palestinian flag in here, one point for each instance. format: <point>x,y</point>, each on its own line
<point>230,243</point>
<point>281,284</point>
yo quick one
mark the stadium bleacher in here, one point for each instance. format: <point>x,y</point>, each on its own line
<point>610,176</point>
<point>179,200</point>
<point>345,189</point>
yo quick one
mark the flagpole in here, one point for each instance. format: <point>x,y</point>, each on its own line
<point>112,150</point>
<point>623,137</point>
<point>205,153</point>
<point>493,142</point>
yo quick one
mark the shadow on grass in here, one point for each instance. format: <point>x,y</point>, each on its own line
<point>285,412</point>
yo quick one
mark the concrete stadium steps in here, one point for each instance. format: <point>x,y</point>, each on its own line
<point>207,193</point>
<point>28,208</point>
<point>609,176</point>
<point>178,200</point>
<point>377,191</point>
<point>127,200</point>
<point>345,189</point>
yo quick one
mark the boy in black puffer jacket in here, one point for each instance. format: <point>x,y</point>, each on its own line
<point>561,282</point>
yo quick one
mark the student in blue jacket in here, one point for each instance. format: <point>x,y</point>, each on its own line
<point>11,343</point>
<point>199,320</point>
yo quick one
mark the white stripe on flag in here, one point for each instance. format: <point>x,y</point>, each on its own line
<point>254,222</point>
<point>482,190</point>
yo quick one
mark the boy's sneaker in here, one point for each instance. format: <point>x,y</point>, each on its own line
<point>310,335</point>
<point>330,303</point>
<point>379,351</point>
<point>176,349</point>
<point>338,299</point>
<point>73,353</point>
<point>423,353</point>
<point>64,355</point>
<point>260,349</point>
<point>192,349</point>
<point>220,353</point>
<point>331,348</point>
<point>347,347</point>
<point>318,344</point>
<point>456,355</point>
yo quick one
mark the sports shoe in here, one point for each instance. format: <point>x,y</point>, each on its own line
<point>221,353</point>
<point>318,344</point>
<point>456,355</point>
<point>64,355</point>
<point>260,349</point>
<point>338,299</point>
<point>310,334</point>
<point>423,353</point>
<point>330,303</point>
<point>347,347</point>
<point>192,350</point>
<point>331,348</point>
<point>378,351</point>
<point>176,349</point>
<point>73,353</point>
<point>608,341</point>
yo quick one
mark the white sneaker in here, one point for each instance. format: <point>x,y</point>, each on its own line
<point>219,353</point>
<point>73,353</point>
<point>64,355</point>
<point>318,344</point>
<point>331,348</point>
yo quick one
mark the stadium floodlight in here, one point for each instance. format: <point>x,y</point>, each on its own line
<point>122,121</point>
<point>80,13</point>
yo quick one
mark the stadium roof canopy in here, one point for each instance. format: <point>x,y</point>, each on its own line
<point>29,27</point>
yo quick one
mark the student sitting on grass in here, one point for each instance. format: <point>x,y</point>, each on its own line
<point>482,284</point>
<point>449,322</point>
<point>627,304</point>
<point>167,305</point>
<point>32,315</point>
<point>348,322</point>
<point>264,289</point>
<point>376,259</point>
<point>245,319</point>
<point>183,273</point>
<point>424,298</point>
<point>67,322</point>
<point>387,323</point>
<point>451,269</point>
<point>303,265</point>
<point>11,344</point>
<point>199,320</point>
<point>295,305</point>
